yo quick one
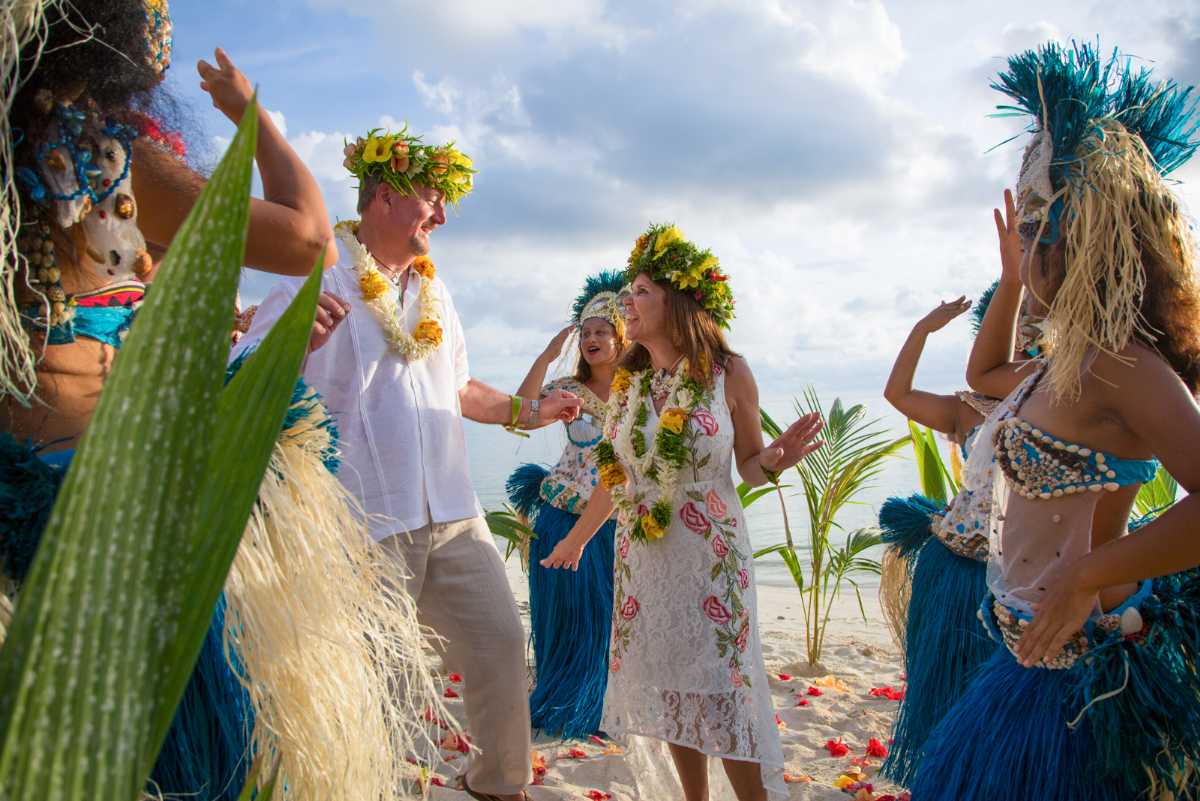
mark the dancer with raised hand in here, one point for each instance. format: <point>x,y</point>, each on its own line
<point>1094,694</point>
<point>571,614</point>
<point>943,549</point>
<point>686,665</point>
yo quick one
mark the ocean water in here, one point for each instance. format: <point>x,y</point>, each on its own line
<point>494,454</point>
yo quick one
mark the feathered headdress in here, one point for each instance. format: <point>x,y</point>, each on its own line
<point>1104,135</point>
<point>600,298</point>
<point>1029,336</point>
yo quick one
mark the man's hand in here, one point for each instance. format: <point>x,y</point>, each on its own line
<point>560,405</point>
<point>331,310</point>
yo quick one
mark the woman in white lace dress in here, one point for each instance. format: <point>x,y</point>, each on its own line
<point>686,665</point>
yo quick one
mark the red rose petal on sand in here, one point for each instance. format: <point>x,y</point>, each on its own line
<point>876,749</point>
<point>450,693</point>
<point>784,677</point>
<point>455,678</point>
<point>596,795</point>
<point>801,702</point>
<point>437,781</point>
<point>836,748</point>
<point>815,692</point>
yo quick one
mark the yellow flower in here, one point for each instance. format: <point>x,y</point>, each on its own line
<point>611,475</point>
<point>684,281</point>
<point>372,284</point>
<point>705,265</point>
<point>424,267</point>
<point>665,239</point>
<point>673,419</point>
<point>461,159</point>
<point>428,331</point>
<point>378,149</point>
<point>844,781</point>
<point>651,528</point>
<point>639,248</point>
<point>622,380</point>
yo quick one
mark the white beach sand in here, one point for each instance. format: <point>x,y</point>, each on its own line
<point>858,657</point>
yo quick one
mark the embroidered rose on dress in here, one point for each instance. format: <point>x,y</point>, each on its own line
<point>705,420</point>
<point>694,519</point>
<point>744,578</point>
<point>716,611</point>
<point>623,548</point>
<point>735,675</point>
<point>630,608</point>
<point>719,547</point>
<point>742,637</point>
<point>716,506</point>
<point>614,665</point>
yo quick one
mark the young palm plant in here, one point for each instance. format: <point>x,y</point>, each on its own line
<point>851,457</point>
<point>111,618</point>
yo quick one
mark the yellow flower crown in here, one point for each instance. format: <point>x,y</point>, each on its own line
<point>400,160</point>
<point>664,255</point>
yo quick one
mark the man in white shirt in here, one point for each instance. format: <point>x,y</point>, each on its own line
<point>395,378</point>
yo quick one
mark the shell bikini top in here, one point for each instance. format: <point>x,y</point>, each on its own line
<point>1039,465</point>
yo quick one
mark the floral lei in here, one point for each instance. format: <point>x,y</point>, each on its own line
<point>659,461</point>
<point>427,335</point>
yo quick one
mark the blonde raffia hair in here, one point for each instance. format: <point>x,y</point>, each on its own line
<point>23,26</point>
<point>1117,211</point>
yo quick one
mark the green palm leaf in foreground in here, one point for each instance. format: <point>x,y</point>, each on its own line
<point>112,617</point>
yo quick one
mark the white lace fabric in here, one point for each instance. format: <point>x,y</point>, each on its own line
<point>686,664</point>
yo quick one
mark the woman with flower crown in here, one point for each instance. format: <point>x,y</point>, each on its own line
<point>685,665</point>
<point>1093,691</point>
<point>570,615</point>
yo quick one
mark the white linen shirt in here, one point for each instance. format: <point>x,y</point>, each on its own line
<point>404,452</point>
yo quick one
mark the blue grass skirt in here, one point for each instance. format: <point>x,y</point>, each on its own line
<point>570,616</point>
<point>205,756</point>
<point>571,619</point>
<point>944,644</point>
<point>1122,723</point>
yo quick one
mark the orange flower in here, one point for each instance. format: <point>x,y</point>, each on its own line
<point>440,163</point>
<point>424,267</point>
<point>428,331</point>
<point>372,284</point>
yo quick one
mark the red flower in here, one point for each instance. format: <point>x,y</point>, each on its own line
<point>815,692</point>
<point>596,795</point>
<point>694,519</point>
<point>784,677</point>
<point>456,742</point>
<point>743,635</point>
<point>716,506</point>
<point>744,580</point>
<point>719,547</point>
<point>836,748</point>
<point>437,781</point>
<point>455,678</point>
<point>887,692</point>
<point>876,748</point>
<point>450,693</point>
<point>716,611</point>
<point>802,702</point>
<point>779,721</point>
<point>643,510</point>
<point>630,608</point>
<point>623,548</point>
<point>706,421</point>
<point>575,753</point>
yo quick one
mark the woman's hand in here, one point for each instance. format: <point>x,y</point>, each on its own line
<point>331,310</point>
<point>1056,618</point>
<point>1012,249</point>
<point>554,349</point>
<point>228,87</point>
<point>937,319</point>
<point>566,554</point>
<point>792,445</point>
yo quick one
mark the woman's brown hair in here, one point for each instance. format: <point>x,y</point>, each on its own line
<point>693,332</point>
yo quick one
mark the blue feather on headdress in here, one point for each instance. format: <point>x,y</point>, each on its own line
<point>1162,113</point>
<point>604,281</point>
<point>981,306</point>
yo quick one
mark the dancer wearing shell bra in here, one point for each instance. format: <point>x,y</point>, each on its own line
<point>1094,694</point>
<point>686,665</point>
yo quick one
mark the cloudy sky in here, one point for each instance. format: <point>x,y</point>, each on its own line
<point>834,155</point>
